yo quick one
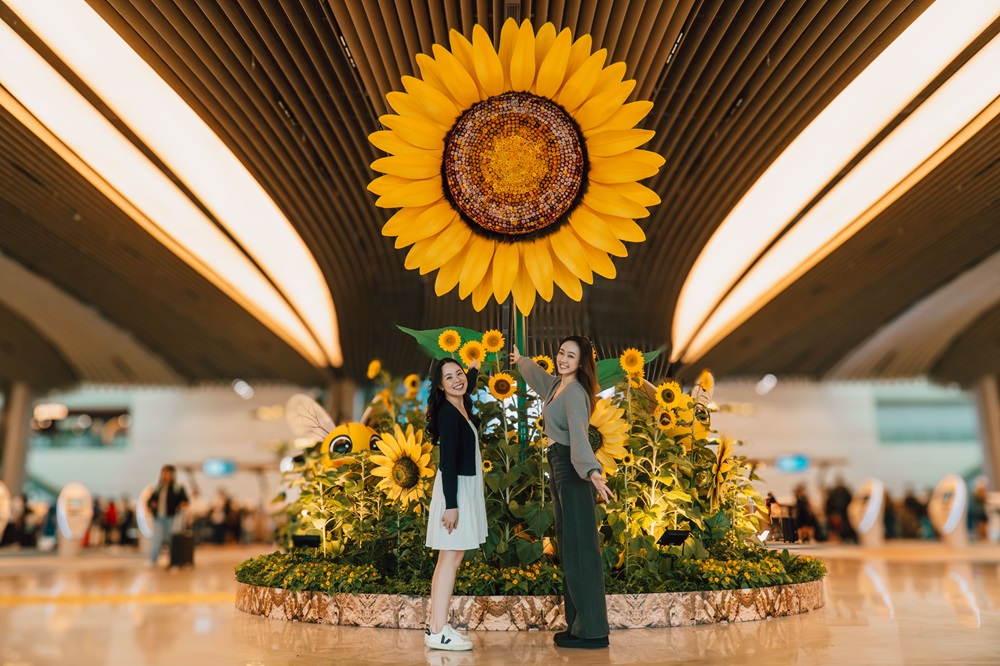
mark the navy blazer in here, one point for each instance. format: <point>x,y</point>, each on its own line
<point>458,446</point>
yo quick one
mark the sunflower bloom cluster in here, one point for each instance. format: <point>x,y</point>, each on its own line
<point>608,434</point>
<point>515,170</point>
<point>405,460</point>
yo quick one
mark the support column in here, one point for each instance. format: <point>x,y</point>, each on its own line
<point>16,417</point>
<point>988,399</point>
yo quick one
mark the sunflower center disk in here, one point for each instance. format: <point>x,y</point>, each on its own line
<point>514,165</point>
<point>595,437</point>
<point>405,473</point>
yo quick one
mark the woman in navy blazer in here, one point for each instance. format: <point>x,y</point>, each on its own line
<point>457,517</point>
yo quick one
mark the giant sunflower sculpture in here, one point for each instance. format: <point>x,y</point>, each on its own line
<point>405,460</point>
<point>515,171</point>
<point>608,434</point>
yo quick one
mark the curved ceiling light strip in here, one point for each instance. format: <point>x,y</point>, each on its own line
<point>197,156</point>
<point>851,121</point>
<point>955,113</point>
<point>98,350</point>
<point>909,345</point>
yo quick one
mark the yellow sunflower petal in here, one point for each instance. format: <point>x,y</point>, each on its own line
<point>619,169</point>
<point>579,85</point>
<point>609,77</point>
<point>417,193</point>
<point>524,292</point>
<point>379,460</point>
<point>570,252</point>
<point>429,223</point>
<point>416,254</point>
<point>579,53</point>
<point>522,59</point>
<point>624,228</point>
<point>543,43</point>
<point>598,260</point>
<point>538,261</point>
<point>415,166</point>
<point>638,193</point>
<point>434,102</point>
<point>430,71</point>
<point>616,142</point>
<point>606,461</point>
<point>565,280</point>
<point>459,79</point>
<point>482,292</point>
<point>600,107</point>
<point>407,106</point>
<point>385,184</point>
<point>605,199</point>
<point>487,62</point>
<point>624,118</point>
<point>552,71</point>
<point>391,143</point>
<point>462,50</point>
<point>419,132</point>
<point>477,261</point>
<point>450,273</point>
<point>505,265</point>
<point>381,471</point>
<point>446,245</point>
<point>508,37</point>
<point>593,230</point>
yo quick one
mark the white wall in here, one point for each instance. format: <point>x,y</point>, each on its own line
<point>182,426</point>
<point>836,420</point>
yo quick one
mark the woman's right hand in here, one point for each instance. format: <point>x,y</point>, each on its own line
<point>515,355</point>
<point>450,519</point>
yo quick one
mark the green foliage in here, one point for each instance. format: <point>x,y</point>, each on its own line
<point>668,479</point>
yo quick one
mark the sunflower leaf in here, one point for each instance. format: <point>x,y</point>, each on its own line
<point>609,370</point>
<point>428,341</point>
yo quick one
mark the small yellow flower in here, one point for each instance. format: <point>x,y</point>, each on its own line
<point>502,386</point>
<point>412,384</point>
<point>666,419</point>
<point>471,351</point>
<point>668,395</point>
<point>706,381</point>
<point>627,459</point>
<point>487,467</point>
<point>545,363</point>
<point>449,340</point>
<point>374,368</point>
<point>493,340</point>
<point>631,361</point>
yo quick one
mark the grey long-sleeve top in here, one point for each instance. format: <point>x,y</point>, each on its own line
<point>567,417</point>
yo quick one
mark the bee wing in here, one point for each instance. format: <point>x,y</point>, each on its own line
<point>308,421</point>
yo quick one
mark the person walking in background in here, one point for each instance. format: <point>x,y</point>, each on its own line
<point>168,498</point>
<point>456,520</point>
<point>805,518</point>
<point>576,480</point>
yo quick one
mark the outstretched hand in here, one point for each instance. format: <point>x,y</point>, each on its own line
<point>601,485</point>
<point>515,355</point>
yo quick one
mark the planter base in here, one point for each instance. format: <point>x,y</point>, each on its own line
<point>625,611</point>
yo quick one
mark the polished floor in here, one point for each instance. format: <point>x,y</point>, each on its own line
<point>904,604</point>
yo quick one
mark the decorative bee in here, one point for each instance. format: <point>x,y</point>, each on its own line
<point>311,424</point>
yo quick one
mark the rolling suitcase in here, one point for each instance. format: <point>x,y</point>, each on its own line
<point>182,549</point>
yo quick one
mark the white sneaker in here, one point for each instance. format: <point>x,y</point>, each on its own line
<point>447,639</point>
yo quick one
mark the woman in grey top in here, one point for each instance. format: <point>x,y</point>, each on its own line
<point>576,474</point>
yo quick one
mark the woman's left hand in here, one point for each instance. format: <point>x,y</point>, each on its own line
<point>601,484</point>
<point>474,364</point>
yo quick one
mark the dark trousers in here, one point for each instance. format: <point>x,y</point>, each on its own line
<point>575,500</point>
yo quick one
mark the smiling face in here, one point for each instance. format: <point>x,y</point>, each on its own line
<point>568,358</point>
<point>453,380</point>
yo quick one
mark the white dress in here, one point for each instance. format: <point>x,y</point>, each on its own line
<point>472,526</point>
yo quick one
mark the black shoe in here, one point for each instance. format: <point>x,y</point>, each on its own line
<point>572,641</point>
<point>562,635</point>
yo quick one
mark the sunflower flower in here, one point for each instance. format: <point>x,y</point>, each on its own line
<point>668,395</point>
<point>545,363</point>
<point>720,469</point>
<point>449,341</point>
<point>631,361</point>
<point>405,459</point>
<point>412,384</point>
<point>471,351</point>
<point>489,224</point>
<point>608,433</point>
<point>666,419</point>
<point>502,386</point>
<point>492,341</point>
<point>487,466</point>
<point>374,368</point>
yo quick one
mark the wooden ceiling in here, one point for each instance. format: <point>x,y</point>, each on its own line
<point>294,87</point>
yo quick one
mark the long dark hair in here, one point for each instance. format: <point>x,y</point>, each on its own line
<point>586,374</point>
<point>438,397</point>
